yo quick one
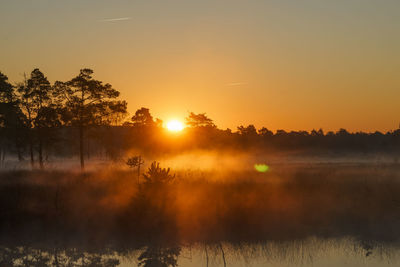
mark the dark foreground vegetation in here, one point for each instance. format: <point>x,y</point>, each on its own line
<point>110,208</point>
<point>84,117</point>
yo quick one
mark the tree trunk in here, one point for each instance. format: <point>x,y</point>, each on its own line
<point>3,157</point>
<point>138,170</point>
<point>31,152</point>
<point>40,153</point>
<point>19,154</point>
<point>88,148</point>
<point>2,151</point>
<point>18,147</point>
<point>81,152</point>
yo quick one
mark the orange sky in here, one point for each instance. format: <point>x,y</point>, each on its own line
<point>280,64</point>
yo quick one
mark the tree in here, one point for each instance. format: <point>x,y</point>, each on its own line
<point>247,131</point>
<point>135,162</point>
<point>36,97</point>
<point>157,175</point>
<point>315,133</point>
<point>199,120</point>
<point>142,118</point>
<point>88,102</point>
<point>281,132</point>
<point>26,104</point>
<point>6,89</point>
<point>265,132</point>
<point>12,120</point>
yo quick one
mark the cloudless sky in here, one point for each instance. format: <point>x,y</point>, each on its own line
<point>293,65</point>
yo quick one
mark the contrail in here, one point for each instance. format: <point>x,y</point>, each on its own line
<point>235,84</point>
<point>115,19</point>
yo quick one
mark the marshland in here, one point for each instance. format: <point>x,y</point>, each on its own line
<point>199,133</point>
<point>108,215</point>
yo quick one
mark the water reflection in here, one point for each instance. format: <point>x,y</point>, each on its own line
<point>34,256</point>
<point>308,252</point>
<point>313,218</point>
<point>158,256</point>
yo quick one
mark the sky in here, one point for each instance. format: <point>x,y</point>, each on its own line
<point>293,65</point>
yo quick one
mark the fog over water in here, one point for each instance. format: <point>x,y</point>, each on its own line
<point>210,209</point>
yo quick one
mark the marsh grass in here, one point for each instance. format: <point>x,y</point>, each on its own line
<point>290,202</point>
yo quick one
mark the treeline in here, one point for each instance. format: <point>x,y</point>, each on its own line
<point>34,112</point>
<point>83,116</point>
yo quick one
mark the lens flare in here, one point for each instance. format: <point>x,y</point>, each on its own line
<point>261,167</point>
<point>175,126</point>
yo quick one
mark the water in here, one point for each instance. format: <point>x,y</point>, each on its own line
<point>325,215</point>
<point>309,252</point>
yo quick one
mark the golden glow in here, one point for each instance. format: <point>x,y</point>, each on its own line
<point>175,126</point>
<point>287,70</point>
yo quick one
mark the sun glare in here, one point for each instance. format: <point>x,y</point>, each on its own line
<point>174,126</point>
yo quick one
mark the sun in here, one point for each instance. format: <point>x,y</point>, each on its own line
<point>175,126</point>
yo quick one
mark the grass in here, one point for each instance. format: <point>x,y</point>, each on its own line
<point>290,202</point>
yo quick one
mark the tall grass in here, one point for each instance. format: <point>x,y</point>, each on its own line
<point>289,202</point>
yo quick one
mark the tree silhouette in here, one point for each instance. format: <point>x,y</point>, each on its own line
<point>88,102</point>
<point>27,106</point>
<point>199,120</point>
<point>135,162</point>
<point>142,118</point>
<point>265,132</point>
<point>12,120</point>
<point>157,175</point>
<point>247,131</point>
<point>32,113</point>
<point>6,89</point>
<point>36,96</point>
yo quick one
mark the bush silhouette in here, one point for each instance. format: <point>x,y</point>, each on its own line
<point>157,175</point>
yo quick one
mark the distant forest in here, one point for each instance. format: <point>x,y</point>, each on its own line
<point>84,117</point>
